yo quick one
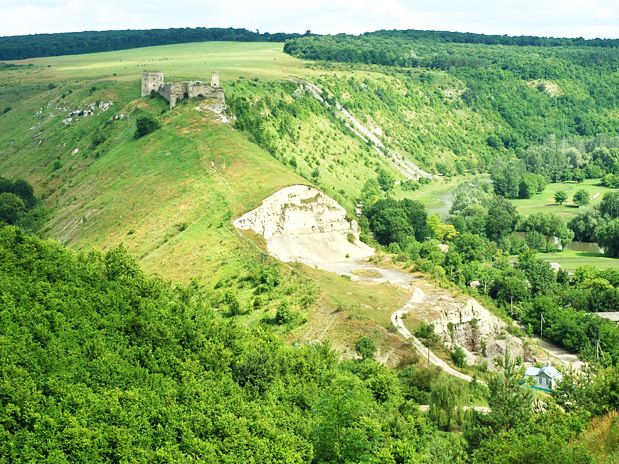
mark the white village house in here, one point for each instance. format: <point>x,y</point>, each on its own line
<point>546,377</point>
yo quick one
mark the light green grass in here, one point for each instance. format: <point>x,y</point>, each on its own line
<point>570,260</point>
<point>180,61</point>
<point>195,61</point>
<point>436,196</point>
<point>545,200</point>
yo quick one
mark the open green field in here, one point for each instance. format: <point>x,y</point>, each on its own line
<point>179,61</point>
<point>436,196</point>
<point>545,200</point>
<point>193,61</point>
<point>570,259</point>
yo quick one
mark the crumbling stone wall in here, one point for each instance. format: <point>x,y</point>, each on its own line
<point>173,92</point>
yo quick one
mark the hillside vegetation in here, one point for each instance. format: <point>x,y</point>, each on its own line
<point>103,361</point>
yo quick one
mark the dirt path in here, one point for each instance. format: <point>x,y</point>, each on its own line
<point>397,319</point>
<point>371,273</point>
<point>569,360</point>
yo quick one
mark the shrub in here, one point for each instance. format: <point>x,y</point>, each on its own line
<point>365,347</point>
<point>145,125</point>
<point>560,197</point>
<point>458,356</point>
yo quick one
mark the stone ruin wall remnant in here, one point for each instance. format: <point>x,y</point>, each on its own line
<point>174,92</point>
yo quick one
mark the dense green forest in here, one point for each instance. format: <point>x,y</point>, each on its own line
<point>531,92</point>
<point>72,43</point>
<point>101,363</point>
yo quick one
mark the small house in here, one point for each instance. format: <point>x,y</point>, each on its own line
<point>544,378</point>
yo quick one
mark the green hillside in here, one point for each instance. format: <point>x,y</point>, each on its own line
<point>160,332</point>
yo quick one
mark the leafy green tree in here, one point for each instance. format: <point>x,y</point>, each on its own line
<point>507,175</point>
<point>446,401</point>
<point>458,356</point>
<point>502,219</point>
<point>371,193</point>
<point>549,225</point>
<point>11,206</point>
<point>539,274</point>
<point>585,224</point>
<point>391,225</point>
<point>145,125</point>
<point>581,198</point>
<point>510,405</point>
<point>608,237</point>
<point>343,432</point>
<point>560,197</point>
<point>385,180</point>
<point>609,206</point>
<point>471,247</point>
<point>531,184</point>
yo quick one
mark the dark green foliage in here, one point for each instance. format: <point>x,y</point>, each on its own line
<point>365,347</point>
<point>18,205</point>
<point>585,224</point>
<point>608,237</point>
<point>11,207</point>
<point>71,43</point>
<point>396,220</point>
<point>581,198</point>
<point>560,197</point>
<point>145,125</point>
<point>609,206</point>
<point>385,180</point>
<point>95,352</point>
<point>549,225</point>
<point>501,220</point>
<point>458,357</point>
<point>507,175</point>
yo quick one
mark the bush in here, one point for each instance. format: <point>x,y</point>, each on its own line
<point>145,125</point>
<point>365,347</point>
<point>458,356</point>
<point>560,197</point>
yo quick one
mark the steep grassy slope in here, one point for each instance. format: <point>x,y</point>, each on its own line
<point>169,199</point>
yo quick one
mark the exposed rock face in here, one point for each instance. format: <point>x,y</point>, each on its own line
<point>481,334</point>
<point>300,223</point>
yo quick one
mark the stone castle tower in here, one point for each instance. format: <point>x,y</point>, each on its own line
<point>151,81</point>
<point>176,91</point>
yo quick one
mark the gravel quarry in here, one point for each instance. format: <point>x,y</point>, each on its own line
<point>301,224</point>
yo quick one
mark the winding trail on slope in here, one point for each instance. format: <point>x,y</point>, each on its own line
<point>404,280</point>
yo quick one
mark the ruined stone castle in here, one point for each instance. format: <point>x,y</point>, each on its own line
<point>173,92</point>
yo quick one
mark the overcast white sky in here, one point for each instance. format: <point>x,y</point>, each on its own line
<point>561,18</point>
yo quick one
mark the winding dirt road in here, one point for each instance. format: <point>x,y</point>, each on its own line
<point>365,272</point>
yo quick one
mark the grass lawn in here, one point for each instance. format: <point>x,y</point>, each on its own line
<point>436,196</point>
<point>545,200</point>
<point>570,259</point>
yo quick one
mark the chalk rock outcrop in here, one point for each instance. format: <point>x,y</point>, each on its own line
<point>300,223</point>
